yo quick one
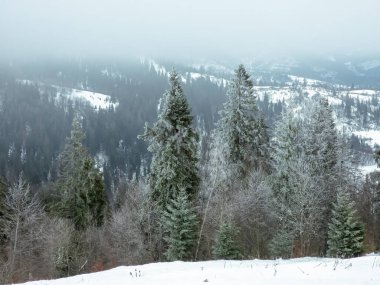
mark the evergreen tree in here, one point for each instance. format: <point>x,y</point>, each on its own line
<point>346,233</point>
<point>226,245</point>
<point>287,147</point>
<point>299,183</point>
<point>179,221</point>
<point>79,194</point>
<point>281,244</point>
<point>322,140</point>
<point>241,136</point>
<point>173,143</point>
<point>321,152</point>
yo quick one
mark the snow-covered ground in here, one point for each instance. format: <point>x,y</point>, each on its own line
<point>372,137</point>
<point>307,271</point>
<point>368,169</point>
<point>95,99</point>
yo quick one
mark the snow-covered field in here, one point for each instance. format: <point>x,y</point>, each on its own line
<point>308,271</point>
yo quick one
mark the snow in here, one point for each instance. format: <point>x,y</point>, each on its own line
<point>196,76</point>
<point>368,169</point>
<point>308,270</point>
<point>308,81</point>
<point>159,69</point>
<point>96,100</point>
<point>372,136</point>
<point>274,94</point>
<point>363,95</point>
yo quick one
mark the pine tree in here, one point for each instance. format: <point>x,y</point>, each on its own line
<point>346,233</point>
<point>226,245</point>
<point>241,136</point>
<point>173,143</point>
<point>179,222</point>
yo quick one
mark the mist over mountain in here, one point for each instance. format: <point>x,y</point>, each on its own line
<point>145,131</point>
<point>181,30</point>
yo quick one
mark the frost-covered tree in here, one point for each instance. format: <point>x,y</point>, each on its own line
<point>240,141</point>
<point>22,225</point>
<point>321,151</point>
<point>346,233</point>
<point>287,146</point>
<point>79,190</point>
<point>301,205</point>
<point>179,222</point>
<point>2,206</point>
<point>321,145</point>
<point>173,144</point>
<point>226,244</point>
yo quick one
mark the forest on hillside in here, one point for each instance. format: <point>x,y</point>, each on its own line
<point>181,169</point>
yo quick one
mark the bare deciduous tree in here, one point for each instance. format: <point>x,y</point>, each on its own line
<point>23,227</point>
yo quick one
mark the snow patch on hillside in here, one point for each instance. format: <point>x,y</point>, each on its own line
<point>213,79</point>
<point>96,100</point>
<point>368,169</point>
<point>372,137</point>
<point>308,270</point>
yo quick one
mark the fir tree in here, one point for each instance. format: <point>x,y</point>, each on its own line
<point>179,222</point>
<point>346,233</point>
<point>226,245</point>
<point>173,143</point>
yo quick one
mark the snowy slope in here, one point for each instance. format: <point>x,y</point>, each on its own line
<point>326,271</point>
<point>96,100</point>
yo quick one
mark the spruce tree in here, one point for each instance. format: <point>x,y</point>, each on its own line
<point>241,137</point>
<point>79,190</point>
<point>180,222</point>
<point>321,151</point>
<point>301,159</point>
<point>226,245</point>
<point>287,147</point>
<point>322,140</point>
<point>173,143</point>
<point>346,233</point>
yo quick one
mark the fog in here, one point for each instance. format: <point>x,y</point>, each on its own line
<point>196,28</point>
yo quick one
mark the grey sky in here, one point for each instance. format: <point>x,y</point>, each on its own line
<point>181,28</point>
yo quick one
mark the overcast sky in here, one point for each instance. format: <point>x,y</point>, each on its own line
<point>176,28</point>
